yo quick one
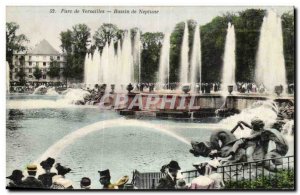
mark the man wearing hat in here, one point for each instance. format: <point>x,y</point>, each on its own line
<point>15,179</point>
<point>169,180</point>
<point>85,183</point>
<point>31,181</point>
<point>46,178</point>
<point>120,183</point>
<point>105,180</point>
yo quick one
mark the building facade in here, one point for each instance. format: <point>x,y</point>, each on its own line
<point>42,55</point>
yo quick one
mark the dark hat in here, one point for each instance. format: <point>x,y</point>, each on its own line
<point>16,175</point>
<point>104,173</point>
<point>85,181</point>
<point>48,163</point>
<point>174,165</point>
<point>61,170</point>
<point>31,167</point>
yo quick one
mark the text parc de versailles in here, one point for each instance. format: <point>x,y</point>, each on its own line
<point>119,11</point>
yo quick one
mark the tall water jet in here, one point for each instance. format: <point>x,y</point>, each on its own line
<point>196,59</point>
<point>111,64</point>
<point>270,65</point>
<point>105,64</point>
<point>7,77</point>
<point>137,56</point>
<point>228,77</point>
<point>184,60</point>
<point>95,73</point>
<point>127,60</point>
<point>164,62</point>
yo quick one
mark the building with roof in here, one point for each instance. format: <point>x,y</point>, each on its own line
<point>41,55</point>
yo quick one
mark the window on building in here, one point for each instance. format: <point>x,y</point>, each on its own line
<point>51,57</point>
<point>16,70</point>
<point>44,76</point>
<point>30,63</point>
<point>30,76</point>
<point>37,63</point>
<point>58,57</point>
<point>16,76</point>
<point>44,63</point>
<point>30,70</point>
<point>16,62</point>
<point>16,57</point>
<point>30,57</point>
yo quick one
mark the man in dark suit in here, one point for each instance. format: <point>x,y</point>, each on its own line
<point>15,179</point>
<point>169,180</point>
<point>32,182</point>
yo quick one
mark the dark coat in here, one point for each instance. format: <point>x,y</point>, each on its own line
<point>46,179</point>
<point>32,182</point>
<point>13,184</point>
<point>166,182</point>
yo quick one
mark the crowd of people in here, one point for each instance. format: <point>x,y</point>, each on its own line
<point>205,87</point>
<point>57,179</point>
<point>50,179</point>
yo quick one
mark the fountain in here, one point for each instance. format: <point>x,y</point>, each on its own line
<point>184,61</point>
<point>7,77</point>
<point>137,56</point>
<point>228,77</point>
<point>270,65</point>
<point>196,59</point>
<point>164,62</point>
<point>114,66</point>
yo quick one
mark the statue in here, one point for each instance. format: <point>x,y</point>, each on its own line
<point>246,149</point>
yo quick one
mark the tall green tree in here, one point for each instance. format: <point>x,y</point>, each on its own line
<point>151,44</point>
<point>14,42</point>
<point>37,73</point>
<point>105,33</point>
<point>74,44</point>
<point>288,29</point>
<point>54,69</point>
<point>22,76</point>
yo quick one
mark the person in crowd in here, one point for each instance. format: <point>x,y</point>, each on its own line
<point>59,181</point>
<point>169,181</point>
<point>15,179</point>
<point>30,181</point>
<point>85,183</point>
<point>122,181</point>
<point>181,185</point>
<point>105,180</point>
<point>202,181</point>
<point>46,178</point>
<point>213,165</point>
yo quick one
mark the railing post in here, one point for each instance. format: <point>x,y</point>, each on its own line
<point>236,176</point>
<point>250,173</point>
<point>230,175</point>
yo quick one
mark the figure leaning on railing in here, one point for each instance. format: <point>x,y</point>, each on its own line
<point>252,148</point>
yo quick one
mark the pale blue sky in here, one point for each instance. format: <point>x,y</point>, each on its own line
<point>37,23</point>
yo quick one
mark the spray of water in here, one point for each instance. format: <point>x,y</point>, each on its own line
<point>196,59</point>
<point>270,66</point>
<point>60,145</point>
<point>228,77</point>
<point>164,62</point>
<point>184,65</point>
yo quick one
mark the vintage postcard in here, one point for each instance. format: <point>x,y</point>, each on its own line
<point>150,98</point>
